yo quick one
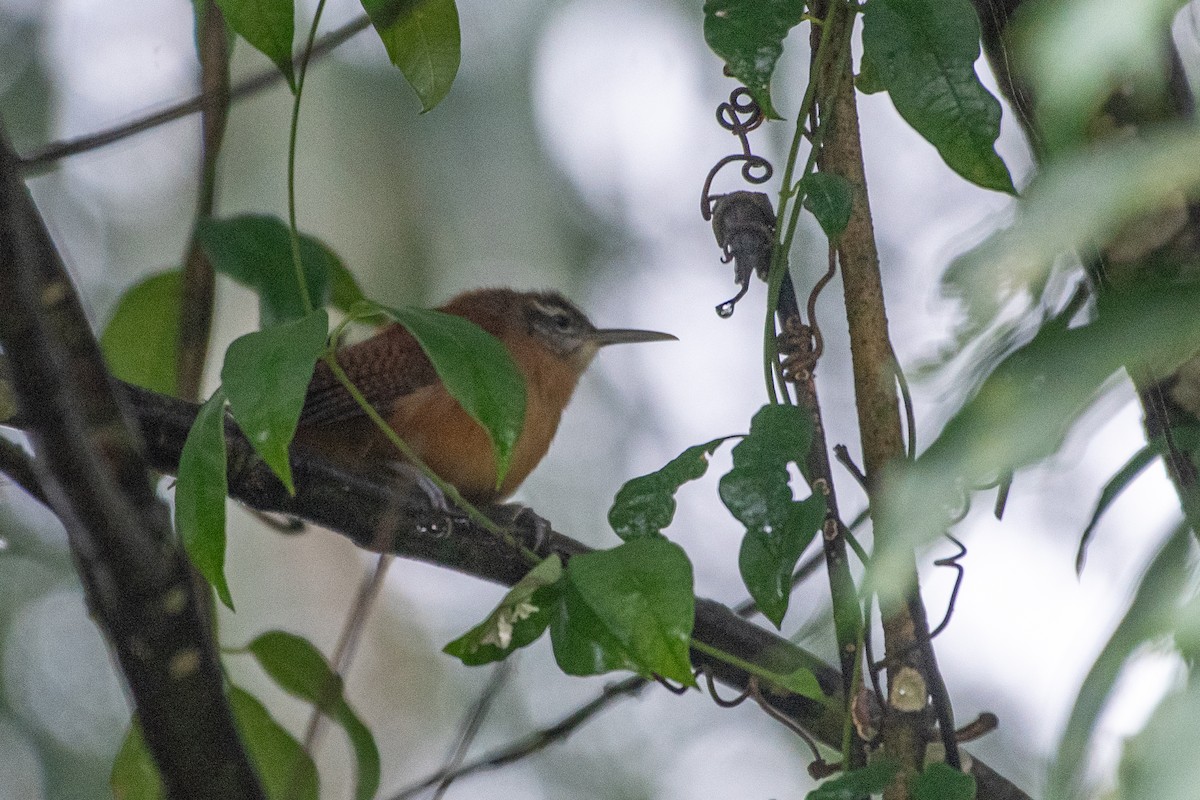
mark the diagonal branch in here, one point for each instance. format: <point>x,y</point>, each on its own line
<point>356,505</point>
<point>89,465</point>
<point>45,157</point>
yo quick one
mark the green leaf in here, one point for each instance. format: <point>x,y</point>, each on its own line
<point>422,39</point>
<point>1126,475</point>
<point>758,494</point>
<point>300,669</point>
<point>748,36</point>
<point>200,495</point>
<point>1077,52</point>
<point>631,607</point>
<point>1072,203</point>
<point>940,781</point>
<point>287,772</point>
<point>477,370</point>
<point>522,616</point>
<point>265,377</point>
<point>256,251</point>
<point>134,775</point>
<point>268,25</point>
<point>645,505</point>
<point>1151,614</point>
<point>768,557</point>
<point>924,54</point>
<point>829,199</point>
<point>141,339</point>
<point>853,785</point>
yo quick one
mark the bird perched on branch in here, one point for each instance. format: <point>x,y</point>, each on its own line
<point>549,338</point>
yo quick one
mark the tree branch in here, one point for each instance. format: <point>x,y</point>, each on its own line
<point>44,158</point>
<point>357,506</point>
<point>199,282</point>
<point>906,631</point>
<point>135,574</point>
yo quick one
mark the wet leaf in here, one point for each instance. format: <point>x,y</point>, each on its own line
<point>200,495</point>
<point>646,504</point>
<point>268,25</point>
<point>300,669</point>
<point>422,39</point>
<point>477,370</point>
<point>631,607</point>
<point>748,36</point>
<point>141,339</point>
<point>265,377</point>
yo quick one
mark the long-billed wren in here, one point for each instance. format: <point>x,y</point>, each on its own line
<point>552,343</point>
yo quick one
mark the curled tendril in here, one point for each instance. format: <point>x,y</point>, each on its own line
<point>800,347</point>
<point>744,222</point>
<point>740,102</point>
<point>739,115</point>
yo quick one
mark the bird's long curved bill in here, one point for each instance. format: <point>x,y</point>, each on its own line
<point>609,336</point>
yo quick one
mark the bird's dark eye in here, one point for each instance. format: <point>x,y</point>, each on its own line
<point>562,321</point>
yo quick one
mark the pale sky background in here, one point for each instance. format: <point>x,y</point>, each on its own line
<point>570,154</point>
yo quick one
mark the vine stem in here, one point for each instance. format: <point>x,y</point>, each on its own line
<point>783,305</point>
<point>751,668</point>
<point>199,280</point>
<point>784,235</point>
<point>301,73</point>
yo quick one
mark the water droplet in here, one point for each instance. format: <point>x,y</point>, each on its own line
<point>725,310</point>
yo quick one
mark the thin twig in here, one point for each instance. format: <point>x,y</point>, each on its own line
<point>42,159</point>
<point>364,599</point>
<point>534,742</point>
<point>473,722</point>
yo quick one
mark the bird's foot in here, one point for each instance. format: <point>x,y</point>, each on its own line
<point>405,472</point>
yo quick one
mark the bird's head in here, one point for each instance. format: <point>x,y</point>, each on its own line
<point>562,328</point>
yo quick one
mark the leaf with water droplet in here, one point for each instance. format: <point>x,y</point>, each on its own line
<point>758,493</point>
<point>748,35</point>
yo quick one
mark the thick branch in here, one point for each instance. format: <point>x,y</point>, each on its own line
<point>358,506</point>
<point>88,464</point>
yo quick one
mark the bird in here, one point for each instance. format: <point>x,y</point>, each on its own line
<point>552,343</point>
